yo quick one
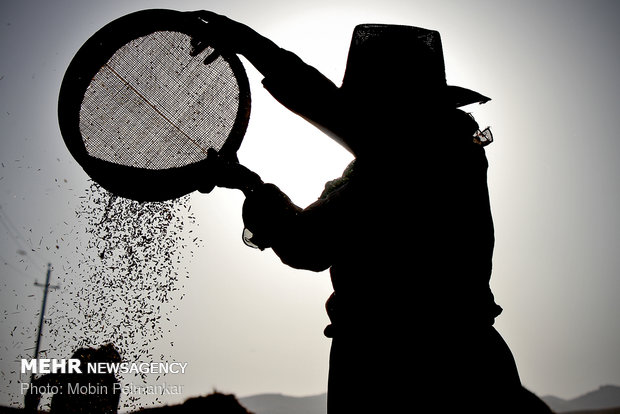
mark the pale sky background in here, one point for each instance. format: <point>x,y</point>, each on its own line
<point>247,324</point>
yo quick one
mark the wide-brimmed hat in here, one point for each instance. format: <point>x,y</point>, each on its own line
<point>401,58</point>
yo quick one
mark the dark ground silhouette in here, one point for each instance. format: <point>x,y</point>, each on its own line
<point>104,400</point>
<point>215,403</point>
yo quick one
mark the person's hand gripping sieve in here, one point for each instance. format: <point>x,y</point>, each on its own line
<point>225,35</point>
<point>220,33</point>
<point>226,173</point>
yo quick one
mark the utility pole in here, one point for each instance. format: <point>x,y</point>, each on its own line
<point>46,287</point>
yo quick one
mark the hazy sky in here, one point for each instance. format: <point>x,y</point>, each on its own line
<point>247,324</point>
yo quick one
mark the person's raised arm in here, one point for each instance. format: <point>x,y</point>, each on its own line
<point>296,85</point>
<point>222,33</point>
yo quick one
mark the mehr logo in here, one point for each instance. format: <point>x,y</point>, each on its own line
<point>74,366</point>
<point>51,366</point>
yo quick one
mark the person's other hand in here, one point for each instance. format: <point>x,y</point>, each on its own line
<point>227,173</point>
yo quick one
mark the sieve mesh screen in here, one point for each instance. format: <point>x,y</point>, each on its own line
<point>154,106</point>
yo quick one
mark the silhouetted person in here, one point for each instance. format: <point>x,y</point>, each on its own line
<point>407,232</point>
<point>100,396</point>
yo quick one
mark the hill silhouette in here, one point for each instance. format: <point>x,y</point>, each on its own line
<point>604,398</point>
<point>282,404</point>
<point>607,411</point>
